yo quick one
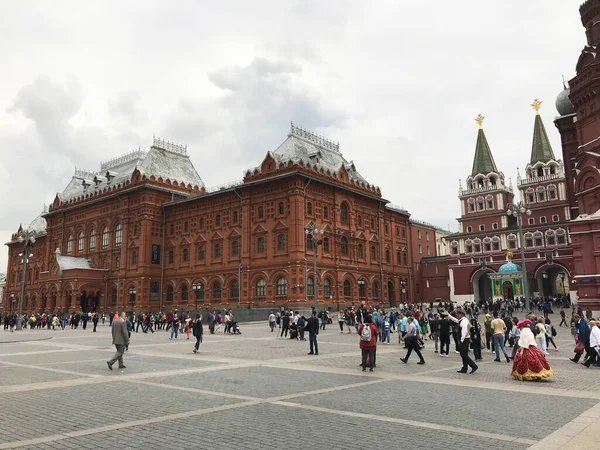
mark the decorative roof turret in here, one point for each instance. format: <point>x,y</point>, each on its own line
<point>563,102</point>
<point>541,150</point>
<point>483,162</point>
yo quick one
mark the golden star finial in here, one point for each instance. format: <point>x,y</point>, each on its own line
<point>479,120</point>
<point>537,105</point>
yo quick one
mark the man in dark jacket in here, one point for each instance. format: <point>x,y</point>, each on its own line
<point>198,331</point>
<point>444,336</point>
<point>285,321</point>
<point>312,326</point>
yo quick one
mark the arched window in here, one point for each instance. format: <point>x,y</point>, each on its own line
<point>184,293</point>
<point>375,290</point>
<point>327,287</point>
<point>471,203</point>
<point>561,236</point>
<point>170,294</point>
<point>347,288</point>
<point>344,246</point>
<point>487,245</point>
<point>186,226</point>
<point>373,223</point>
<point>80,242</point>
<point>261,288</point>
<point>217,252</point>
<point>201,253</point>
<point>135,230</point>
<point>260,245</point>
<point>477,245</point>
<point>540,172</point>
<point>325,212</point>
<point>218,219</point>
<point>552,170</point>
<point>118,235</point>
<point>398,258</point>
<point>281,242</point>
<point>309,242</point>
<point>530,196</point>
<point>538,239</point>
<point>281,286</point>
<point>359,221</point>
<point>528,240</point>
<point>550,238</point>
<point>326,245</point>
<point>344,213</point>
<point>171,229</point>
<point>405,258</point>
<point>234,289</point>
<point>496,243</point>
<point>235,217</point>
<point>92,241</point>
<point>360,252</point>
<point>373,253</point>
<point>552,192</point>
<point>69,244</point>
<point>480,204</point>
<point>113,296</point>
<point>235,248</point>
<point>134,258</point>
<point>512,241</point>
<point>261,212</point>
<point>216,290</point>
<point>201,223</point>
<point>541,194</point>
<point>387,256</point>
<point>186,255</point>
<point>468,246</point>
<point>171,257</point>
<point>309,208</point>
<point>281,208</point>
<point>310,286</point>
<point>489,202</point>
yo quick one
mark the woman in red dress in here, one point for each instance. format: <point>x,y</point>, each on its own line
<point>529,363</point>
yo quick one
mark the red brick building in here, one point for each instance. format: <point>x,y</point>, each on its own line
<point>579,127</point>
<point>144,233</point>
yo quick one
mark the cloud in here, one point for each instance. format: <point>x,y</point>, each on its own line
<point>127,105</point>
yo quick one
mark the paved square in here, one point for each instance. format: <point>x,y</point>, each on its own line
<point>58,393</point>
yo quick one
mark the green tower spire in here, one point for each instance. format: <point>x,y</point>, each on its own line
<point>483,161</point>
<point>541,150</point>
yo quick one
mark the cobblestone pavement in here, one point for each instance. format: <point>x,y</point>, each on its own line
<point>245,391</point>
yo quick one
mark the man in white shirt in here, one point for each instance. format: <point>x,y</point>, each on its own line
<point>465,340</point>
<point>272,320</point>
<point>594,344</point>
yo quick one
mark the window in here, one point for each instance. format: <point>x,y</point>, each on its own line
<point>69,244</point>
<point>113,296</point>
<point>261,288</point>
<point>540,172</point>
<point>281,242</point>
<point>359,251</point>
<point>326,245</point>
<point>347,288</point>
<point>490,202</point>
<point>495,226</point>
<point>185,255</point>
<point>105,237</point>
<point>201,224</point>
<point>118,262</point>
<point>418,234</point>
<point>454,247</point>
<point>135,230</point>
<point>555,218</point>
<point>171,257</point>
<point>481,227</point>
<point>387,256</point>
<point>561,237</point>
<point>309,242</point>
<point>234,289</point>
<point>385,227</point>
<point>235,248</point>
<point>172,229</point>
<point>218,219</point>
<point>538,240</point>
<point>528,240</point>
<point>234,217</point>
<point>480,205</point>
<point>134,258</point>
<point>550,238</point>
<point>469,246</point>
<point>397,231</point>
<point>427,235</point>
<point>184,293</point>
<point>512,241</point>
<point>217,251</point>
<point>403,232</point>
<point>530,196</point>
<point>310,286</point>
<point>260,245</point>
<point>344,246</point>
<point>469,229</point>
<point>201,253</point>
<point>428,250</point>
<point>280,208</point>
<point>186,226</point>
<point>541,194</point>
<point>281,286</point>
<point>325,212</point>
<point>118,235</point>
<point>531,221</point>
<point>471,204</point>
<point>551,193</point>
<point>261,212</point>
<point>543,219</point>
<point>359,221</point>
<point>487,245</point>
<point>375,290</point>
<point>344,213</point>
<point>327,287</point>
<point>92,240</point>
<point>309,208</point>
<point>398,258</point>
<point>198,291</point>
<point>373,253</point>
<point>80,242</point>
<point>216,291</point>
<point>420,249</point>
<point>496,244</point>
<point>477,246</point>
<point>405,258</point>
<point>170,294</point>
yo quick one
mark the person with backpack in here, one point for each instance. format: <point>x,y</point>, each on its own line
<point>198,331</point>
<point>368,343</point>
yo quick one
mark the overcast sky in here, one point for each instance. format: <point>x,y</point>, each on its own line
<point>398,83</point>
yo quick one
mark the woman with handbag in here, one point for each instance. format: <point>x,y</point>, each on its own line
<point>529,362</point>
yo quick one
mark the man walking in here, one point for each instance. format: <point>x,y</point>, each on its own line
<point>563,318</point>
<point>465,340</point>
<point>499,329</point>
<point>198,331</point>
<point>434,328</point>
<point>411,341</point>
<point>95,321</point>
<point>476,336</point>
<point>120,339</point>
<point>312,326</point>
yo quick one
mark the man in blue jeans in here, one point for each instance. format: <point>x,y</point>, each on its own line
<point>498,328</point>
<point>312,326</point>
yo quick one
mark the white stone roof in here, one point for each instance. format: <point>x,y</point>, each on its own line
<point>72,262</point>
<point>164,159</point>
<point>38,225</point>
<point>302,145</point>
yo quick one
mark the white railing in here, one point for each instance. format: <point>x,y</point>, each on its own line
<point>532,180</point>
<point>222,187</point>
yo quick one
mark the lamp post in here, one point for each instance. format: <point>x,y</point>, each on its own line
<point>132,293</point>
<point>403,284</point>
<point>27,238</point>
<point>517,210</point>
<point>197,288</point>
<point>361,289</point>
<point>314,233</point>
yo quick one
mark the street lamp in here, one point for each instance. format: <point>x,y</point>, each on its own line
<point>132,293</point>
<point>403,284</point>
<point>197,288</point>
<point>361,289</point>
<point>314,233</point>
<point>27,238</point>
<point>517,210</point>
